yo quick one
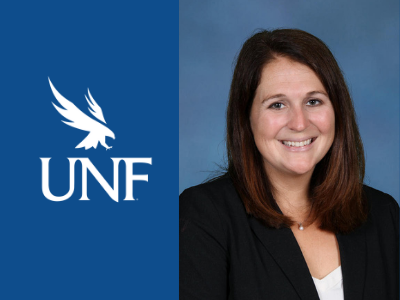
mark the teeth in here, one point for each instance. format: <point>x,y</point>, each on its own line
<point>297,144</point>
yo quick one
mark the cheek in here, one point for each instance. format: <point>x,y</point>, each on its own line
<point>268,125</point>
<point>325,122</point>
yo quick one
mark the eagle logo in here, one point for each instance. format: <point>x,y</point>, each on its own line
<point>97,131</point>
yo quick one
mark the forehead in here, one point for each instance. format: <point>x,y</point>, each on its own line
<point>285,76</point>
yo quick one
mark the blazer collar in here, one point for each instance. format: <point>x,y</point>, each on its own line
<point>283,247</point>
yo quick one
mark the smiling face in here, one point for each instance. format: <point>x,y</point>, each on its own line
<point>292,118</point>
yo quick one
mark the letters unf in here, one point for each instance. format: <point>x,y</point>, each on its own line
<point>87,165</point>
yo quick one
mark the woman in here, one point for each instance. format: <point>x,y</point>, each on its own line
<point>291,219</point>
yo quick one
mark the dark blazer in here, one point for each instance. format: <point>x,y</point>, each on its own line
<point>227,254</point>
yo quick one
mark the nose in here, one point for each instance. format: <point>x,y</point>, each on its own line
<point>298,119</point>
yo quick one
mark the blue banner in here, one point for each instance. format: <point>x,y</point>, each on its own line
<point>89,206</point>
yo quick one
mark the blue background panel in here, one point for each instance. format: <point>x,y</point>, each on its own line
<point>126,53</point>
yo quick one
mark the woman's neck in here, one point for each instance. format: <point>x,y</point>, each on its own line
<point>291,193</point>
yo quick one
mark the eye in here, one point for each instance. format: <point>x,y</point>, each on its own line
<point>277,105</point>
<point>314,102</point>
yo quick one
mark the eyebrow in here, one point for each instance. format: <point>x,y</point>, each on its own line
<point>317,92</point>
<point>307,95</point>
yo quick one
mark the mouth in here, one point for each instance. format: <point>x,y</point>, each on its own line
<point>298,144</point>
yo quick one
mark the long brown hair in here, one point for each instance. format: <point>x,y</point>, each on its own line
<point>336,188</point>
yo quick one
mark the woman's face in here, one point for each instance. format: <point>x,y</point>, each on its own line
<point>292,118</point>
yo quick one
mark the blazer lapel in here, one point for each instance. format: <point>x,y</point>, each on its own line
<point>353,258</point>
<point>283,247</point>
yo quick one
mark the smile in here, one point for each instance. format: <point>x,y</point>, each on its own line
<point>298,144</point>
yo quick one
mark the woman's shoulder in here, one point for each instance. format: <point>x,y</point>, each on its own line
<point>208,211</point>
<point>215,188</point>
<point>378,199</point>
<point>382,206</point>
<point>216,195</point>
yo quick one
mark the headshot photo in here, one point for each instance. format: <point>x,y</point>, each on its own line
<point>289,150</point>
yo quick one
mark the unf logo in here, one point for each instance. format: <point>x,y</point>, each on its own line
<point>87,165</point>
<point>97,133</point>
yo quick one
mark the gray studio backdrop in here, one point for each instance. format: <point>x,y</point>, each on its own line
<point>363,36</point>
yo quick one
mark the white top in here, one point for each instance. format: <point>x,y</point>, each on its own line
<point>331,286</point>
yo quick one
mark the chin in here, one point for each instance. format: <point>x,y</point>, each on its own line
<point>300,169</point>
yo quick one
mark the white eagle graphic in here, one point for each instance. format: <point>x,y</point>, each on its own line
<point>97,131</point>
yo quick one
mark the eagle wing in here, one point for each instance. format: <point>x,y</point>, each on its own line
<point>76,117</point>
<point>95,109</point>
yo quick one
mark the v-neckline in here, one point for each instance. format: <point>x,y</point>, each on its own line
<point>330,280</point>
